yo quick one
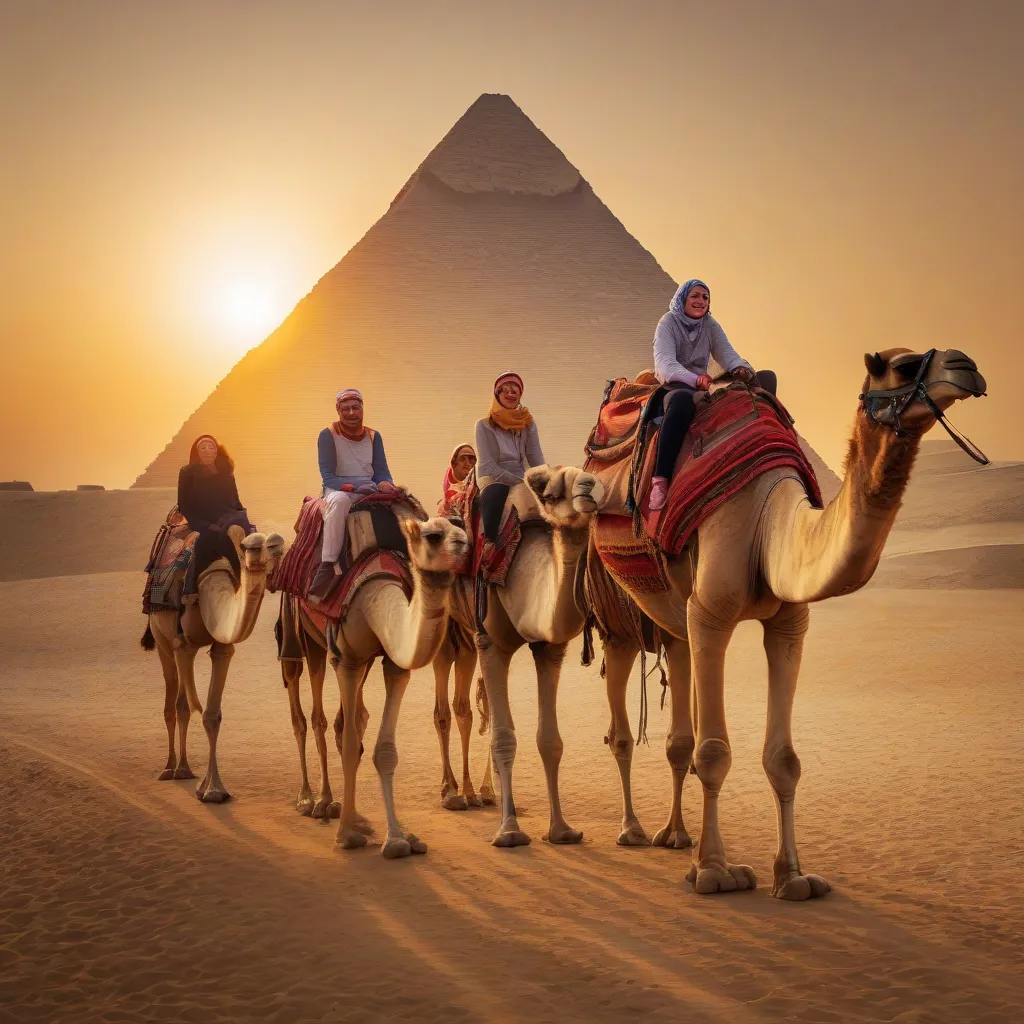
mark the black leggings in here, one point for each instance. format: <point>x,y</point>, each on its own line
<point>678,413</point>
<point>492,504</point>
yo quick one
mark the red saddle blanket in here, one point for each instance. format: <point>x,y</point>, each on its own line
<point>373,565</point>
<point>169,560</point>
<point>491,561</point>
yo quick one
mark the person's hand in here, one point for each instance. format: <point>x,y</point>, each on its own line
<point>704,382</point>
<point>348,488</point>
<point>386,487</point>
<point>744,373</point>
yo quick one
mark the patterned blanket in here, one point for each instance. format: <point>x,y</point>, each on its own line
<point>168,565</point>
<point>634,561</point>
<point>373,565</point>
<point>489,561</point>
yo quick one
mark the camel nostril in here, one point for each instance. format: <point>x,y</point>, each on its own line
<point>954,359</point>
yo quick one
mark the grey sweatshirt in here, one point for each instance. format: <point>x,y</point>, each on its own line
<point>681,361</point>
<point>505,455</point>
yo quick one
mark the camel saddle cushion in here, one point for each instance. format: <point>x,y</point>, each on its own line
<point>169,561</point>
<point>371,565</point>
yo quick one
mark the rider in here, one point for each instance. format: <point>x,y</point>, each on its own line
<point>459,467</point>
<point>686,338</point>
<point>352,462</point>
<point>509,444</point>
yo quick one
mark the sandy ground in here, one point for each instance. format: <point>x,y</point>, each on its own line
<point>125,899</point>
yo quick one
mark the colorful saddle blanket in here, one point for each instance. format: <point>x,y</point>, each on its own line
<point>168,565</point>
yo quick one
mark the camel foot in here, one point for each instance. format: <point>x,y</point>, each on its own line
<point>716,878</point>
<point>633,835</point>
<point>213,795</point>
<point>562,835</point>
<point>183,772</point>
<point>304,804</point>
<point>800,887</point>
<point>487,797</point>
<point>455,802</point>
<point>415,843</point>
<point>350,839</point>
<point>167,773</point>
<point>322,808</point>
<point>508,838</point>
<point>359,823</point>
<point>678,839</point>
<point>395,848</point>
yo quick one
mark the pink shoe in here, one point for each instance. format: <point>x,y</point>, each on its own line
<point>659,492</point>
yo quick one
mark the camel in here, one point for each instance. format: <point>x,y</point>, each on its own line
<point>538,606</point>
<point>767,554</point>
<point>408,633</point>
<point>224,615</point>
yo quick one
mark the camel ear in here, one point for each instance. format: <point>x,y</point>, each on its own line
<point>537,480</point>
<point>875,364</point>
<point>412,529</point>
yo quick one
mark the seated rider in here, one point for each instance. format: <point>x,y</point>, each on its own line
<point>684,342</point>
<point>208,499</point>
<point>352,463</point>
<point>508,444</point>
<point>459,467</point>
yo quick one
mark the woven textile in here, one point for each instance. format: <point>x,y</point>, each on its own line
<point>169,560</point>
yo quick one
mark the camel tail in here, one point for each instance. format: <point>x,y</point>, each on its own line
<point>483,708</point>
<point>148,641</point>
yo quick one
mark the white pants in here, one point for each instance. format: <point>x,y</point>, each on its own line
<point>335,517</point>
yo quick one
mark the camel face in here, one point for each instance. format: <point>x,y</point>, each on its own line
<point>259,551</point>
<point>567,497</point>
<point>437,545</point>
<point>950,377</point>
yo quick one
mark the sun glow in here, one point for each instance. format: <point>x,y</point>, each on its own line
<point>247,309</point>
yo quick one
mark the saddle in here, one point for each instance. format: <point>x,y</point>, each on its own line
<point>170,558</point>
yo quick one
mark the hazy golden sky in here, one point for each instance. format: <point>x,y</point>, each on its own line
<point>845,175</point>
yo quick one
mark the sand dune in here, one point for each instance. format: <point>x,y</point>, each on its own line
<point>125,900</point>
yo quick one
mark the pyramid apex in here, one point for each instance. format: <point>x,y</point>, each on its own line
<point>495,147</point>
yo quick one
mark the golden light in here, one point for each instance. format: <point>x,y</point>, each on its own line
<point>247,308</point>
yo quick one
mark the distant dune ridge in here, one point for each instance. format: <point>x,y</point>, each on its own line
<point>495,255</point>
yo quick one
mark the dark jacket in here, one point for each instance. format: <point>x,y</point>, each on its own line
<point>205,497</point>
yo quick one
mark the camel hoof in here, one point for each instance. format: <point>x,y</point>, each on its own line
<point>455,802</point>
<point>334,811</point>
<point>677,840</point>
<point>487,797</point>
<point>304,805</point>
<point>563,836</point>
<point>183,772</point>
<point>395,848</point>
<point>359,823</point>
<point>350,840</point>
<point>473,800</point>
<point>507,840</point>
<point>322,808</point>
<point>214,796</point>
<point>415,843</point>
<point>735,877</point>
<point>167,773</point>
<point>633,836</point>
<point>800,887</point>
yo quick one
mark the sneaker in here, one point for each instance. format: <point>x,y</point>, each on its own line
<point>659,492</point>
<point>323,583</point>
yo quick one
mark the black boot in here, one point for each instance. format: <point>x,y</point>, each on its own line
<point>323,583</point>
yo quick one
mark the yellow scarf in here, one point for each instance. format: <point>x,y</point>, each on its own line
<point>509,419</point>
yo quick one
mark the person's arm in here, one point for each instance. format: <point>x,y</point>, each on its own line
<point>725,355</point>
<point>327,456</point>
<point>667,367</point>
<point>534,455</point>
<point>487,456</point>
<point>236,500</point>
<point>381,473</point>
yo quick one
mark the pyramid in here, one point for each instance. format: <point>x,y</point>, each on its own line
<point>495,255</point>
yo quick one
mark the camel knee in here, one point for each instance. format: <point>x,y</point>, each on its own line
<point>463,710</point>
<point>385,757</point>
<point>299,725</point>
<point>441,719</point>
<point>782,766</point>
<point>621,745</point>
<point>319,721</point>
<point>212,719</point>
<point>679,751</point>
<point>713,761</point>
<point>503,745</point>
<point>550,748</point>
<point>221,652</point>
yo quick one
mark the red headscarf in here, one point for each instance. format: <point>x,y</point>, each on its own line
<point>452,488</point>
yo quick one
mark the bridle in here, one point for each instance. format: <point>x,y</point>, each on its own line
<point>895,401</point>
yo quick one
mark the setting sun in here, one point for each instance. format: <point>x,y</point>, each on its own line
<point>247,309</point>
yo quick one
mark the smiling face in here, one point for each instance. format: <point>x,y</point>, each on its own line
<point>509,394</point>
<point>207,451</point>
<point>463,464</point>
<point>697,302</point>
<point>350,415</point>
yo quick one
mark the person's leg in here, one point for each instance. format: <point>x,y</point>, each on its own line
<point>335,516</point>
<point>767,380</point>
<point>679,412</point>
<point>492,504</point>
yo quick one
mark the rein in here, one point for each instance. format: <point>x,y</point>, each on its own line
<point>896,400</point>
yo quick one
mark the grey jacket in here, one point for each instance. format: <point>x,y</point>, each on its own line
<point>506,455</point>
<point>682,361</point>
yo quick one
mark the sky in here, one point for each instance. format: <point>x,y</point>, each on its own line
<point>175,177</point>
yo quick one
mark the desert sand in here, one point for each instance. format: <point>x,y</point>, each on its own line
<point>125,899</point>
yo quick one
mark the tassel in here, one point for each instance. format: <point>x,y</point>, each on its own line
<point>587,657</point>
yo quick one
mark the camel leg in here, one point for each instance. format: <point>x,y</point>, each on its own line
<point>362,720</point>
<point>495,663</point>
<point>166,655</point>
<point>188,701</point>
<point>678,743</point>
<point>350,681</point>
<point>783,644</point>
<point>211,790</point>
<point>487,797</point>
<point>465,666</point>
<point>316,658</point>
<point>385,759</point>
<point>709,635</point>
<point>292,673</point>
<point>619,658</point>
<point>548,661</point>
<point>451,798</point>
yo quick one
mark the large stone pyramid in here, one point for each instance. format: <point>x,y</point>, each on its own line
<point>495,255</point>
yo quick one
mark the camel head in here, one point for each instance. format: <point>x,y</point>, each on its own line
<point>567,496</point>
<point>905,390</point>
<point>437,545</point>
<point>258,552</point>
